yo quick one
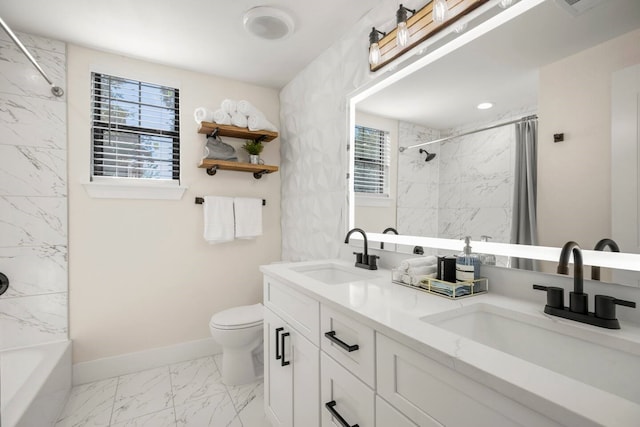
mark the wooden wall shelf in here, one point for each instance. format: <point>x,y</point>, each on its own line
<point>212,167</point>
<point>208,128</point>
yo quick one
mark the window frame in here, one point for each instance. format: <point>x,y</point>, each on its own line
<point>384,162</point>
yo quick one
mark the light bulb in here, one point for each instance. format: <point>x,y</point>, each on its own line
<point>402,36</point>
<point>505,3</point>
<point>460,27</point>
<point>440,10</point>
<point>374,54</point>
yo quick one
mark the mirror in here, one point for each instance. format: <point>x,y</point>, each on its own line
<point>555,61</point>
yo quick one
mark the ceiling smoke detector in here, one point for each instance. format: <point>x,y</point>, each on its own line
<point>268,22</point>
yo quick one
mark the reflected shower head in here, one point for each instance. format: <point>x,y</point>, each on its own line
<point>430,156</point>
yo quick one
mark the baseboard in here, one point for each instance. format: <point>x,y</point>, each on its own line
<point>109,367</point>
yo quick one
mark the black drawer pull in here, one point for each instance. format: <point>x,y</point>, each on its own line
<point>337,416</point>
<point>282,337</point>
<point>278,355</point>
<point>332,336</point>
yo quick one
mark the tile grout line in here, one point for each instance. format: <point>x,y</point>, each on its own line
<point>113,405</point>
<point>173,402</point>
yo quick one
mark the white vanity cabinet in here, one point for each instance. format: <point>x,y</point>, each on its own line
<point>291,359</point>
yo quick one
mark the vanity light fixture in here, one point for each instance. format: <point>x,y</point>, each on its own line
<point>505,3</point>
<point>484,106</point>
<point>440,10</point>
<point>374,48</point>
<point>402,36</point>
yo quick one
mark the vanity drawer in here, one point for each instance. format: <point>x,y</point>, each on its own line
<point>431,394</point>
<point>297,309</point>
<point>349,342</point>
<point>348,397</point>
<point>387,415</point>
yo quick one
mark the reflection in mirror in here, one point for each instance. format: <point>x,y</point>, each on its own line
<point>547,62</point>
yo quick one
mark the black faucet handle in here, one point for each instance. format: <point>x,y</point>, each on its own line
<point>555,295</point>
<point>372,262</point>
<point>358,257</point>
<point>606,306</point>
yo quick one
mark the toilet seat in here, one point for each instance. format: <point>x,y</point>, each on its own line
<point>245,316</point>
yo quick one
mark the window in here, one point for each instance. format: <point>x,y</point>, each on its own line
<point>135,130</point>
<point>371,172</point>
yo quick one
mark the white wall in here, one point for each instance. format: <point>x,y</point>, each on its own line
<point>33,194</point>
<point>574,176</point>
<point>141,275</point>
<point>374,214</point>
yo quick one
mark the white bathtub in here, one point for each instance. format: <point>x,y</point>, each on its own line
<point>34,384</point>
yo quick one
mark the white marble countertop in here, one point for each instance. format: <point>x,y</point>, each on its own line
<point>396,310</point>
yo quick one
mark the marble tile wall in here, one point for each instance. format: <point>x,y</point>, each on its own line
<point>33,194</point>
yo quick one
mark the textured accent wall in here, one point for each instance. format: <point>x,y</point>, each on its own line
<point>313,116</point>
<point>33,194</point>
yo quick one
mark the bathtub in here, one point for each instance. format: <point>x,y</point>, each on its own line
<point>34,385</point>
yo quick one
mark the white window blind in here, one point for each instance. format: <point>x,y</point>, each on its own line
<point>136,129</point>
<point>372,159</point>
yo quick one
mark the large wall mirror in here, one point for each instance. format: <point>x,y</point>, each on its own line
<point>554,63</point>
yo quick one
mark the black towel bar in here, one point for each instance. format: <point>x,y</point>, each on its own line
<point>200,200</point>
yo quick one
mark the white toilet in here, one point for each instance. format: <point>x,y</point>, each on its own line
<point>239,331</point>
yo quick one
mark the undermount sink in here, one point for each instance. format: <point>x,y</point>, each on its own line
<point>333,274</point>
<point>606,362</point>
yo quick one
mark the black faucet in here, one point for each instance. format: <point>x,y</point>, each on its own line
<point>363,260</point>
<point>391,229</point>
<point>578,310</point>
<point>600,246</point>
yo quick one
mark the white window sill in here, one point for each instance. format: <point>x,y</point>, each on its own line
<point>133,190</point>
<point>381,202</point>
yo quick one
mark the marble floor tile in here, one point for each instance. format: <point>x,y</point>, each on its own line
<point>164,418</point>
<point>89,405</point>
<point>212,411</point>
<point>195,379</point>
<point>186,394</point>
<point>142,393</point>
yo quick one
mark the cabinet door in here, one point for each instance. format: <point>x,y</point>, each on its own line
<point>305,358</point>
<point>348,397</point>
<point>278,379</point>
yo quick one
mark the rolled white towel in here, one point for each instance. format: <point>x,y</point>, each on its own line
<point>259,122</point>
<point>239,119</point>
<point>417,262</point>
<point>229,106</point>
<point>246,108</point>
<point>201,114</point>
<point>220,117</point>
<point>422,270</point>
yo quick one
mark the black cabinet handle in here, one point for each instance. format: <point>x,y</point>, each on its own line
<point>4,283</point>
<point>337,416</point>
<point>278,355</point>
<point>282,337</point>
<point>332,336</point>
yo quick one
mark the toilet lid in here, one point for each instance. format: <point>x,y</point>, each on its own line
<point>240,317</point>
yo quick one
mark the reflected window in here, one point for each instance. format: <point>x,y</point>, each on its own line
<point>372,160</point>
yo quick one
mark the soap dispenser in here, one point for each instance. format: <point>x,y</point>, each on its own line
<point>487,259</point>
<point>467,264</point>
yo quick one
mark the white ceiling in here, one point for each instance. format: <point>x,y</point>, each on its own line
<point>200,35</point>
<point>501,67</point>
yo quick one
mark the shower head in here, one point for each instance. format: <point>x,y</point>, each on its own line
<point>430,156</point>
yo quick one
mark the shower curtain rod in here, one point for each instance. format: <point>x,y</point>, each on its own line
<point>533,117</point>
<point>56,90</point>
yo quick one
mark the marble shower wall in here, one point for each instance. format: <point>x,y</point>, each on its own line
<point>33,194</point>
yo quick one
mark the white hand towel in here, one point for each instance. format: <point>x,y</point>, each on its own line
<point>218,219</point>
<point>201,114</point>
<point>417,262</point>
<point>248,212</point>
<point>259,122</point>
<point>422,270</point>
<point>229,106</point>
<point>239,119</point>
<point>246,108</point>
<point>221,118</point>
